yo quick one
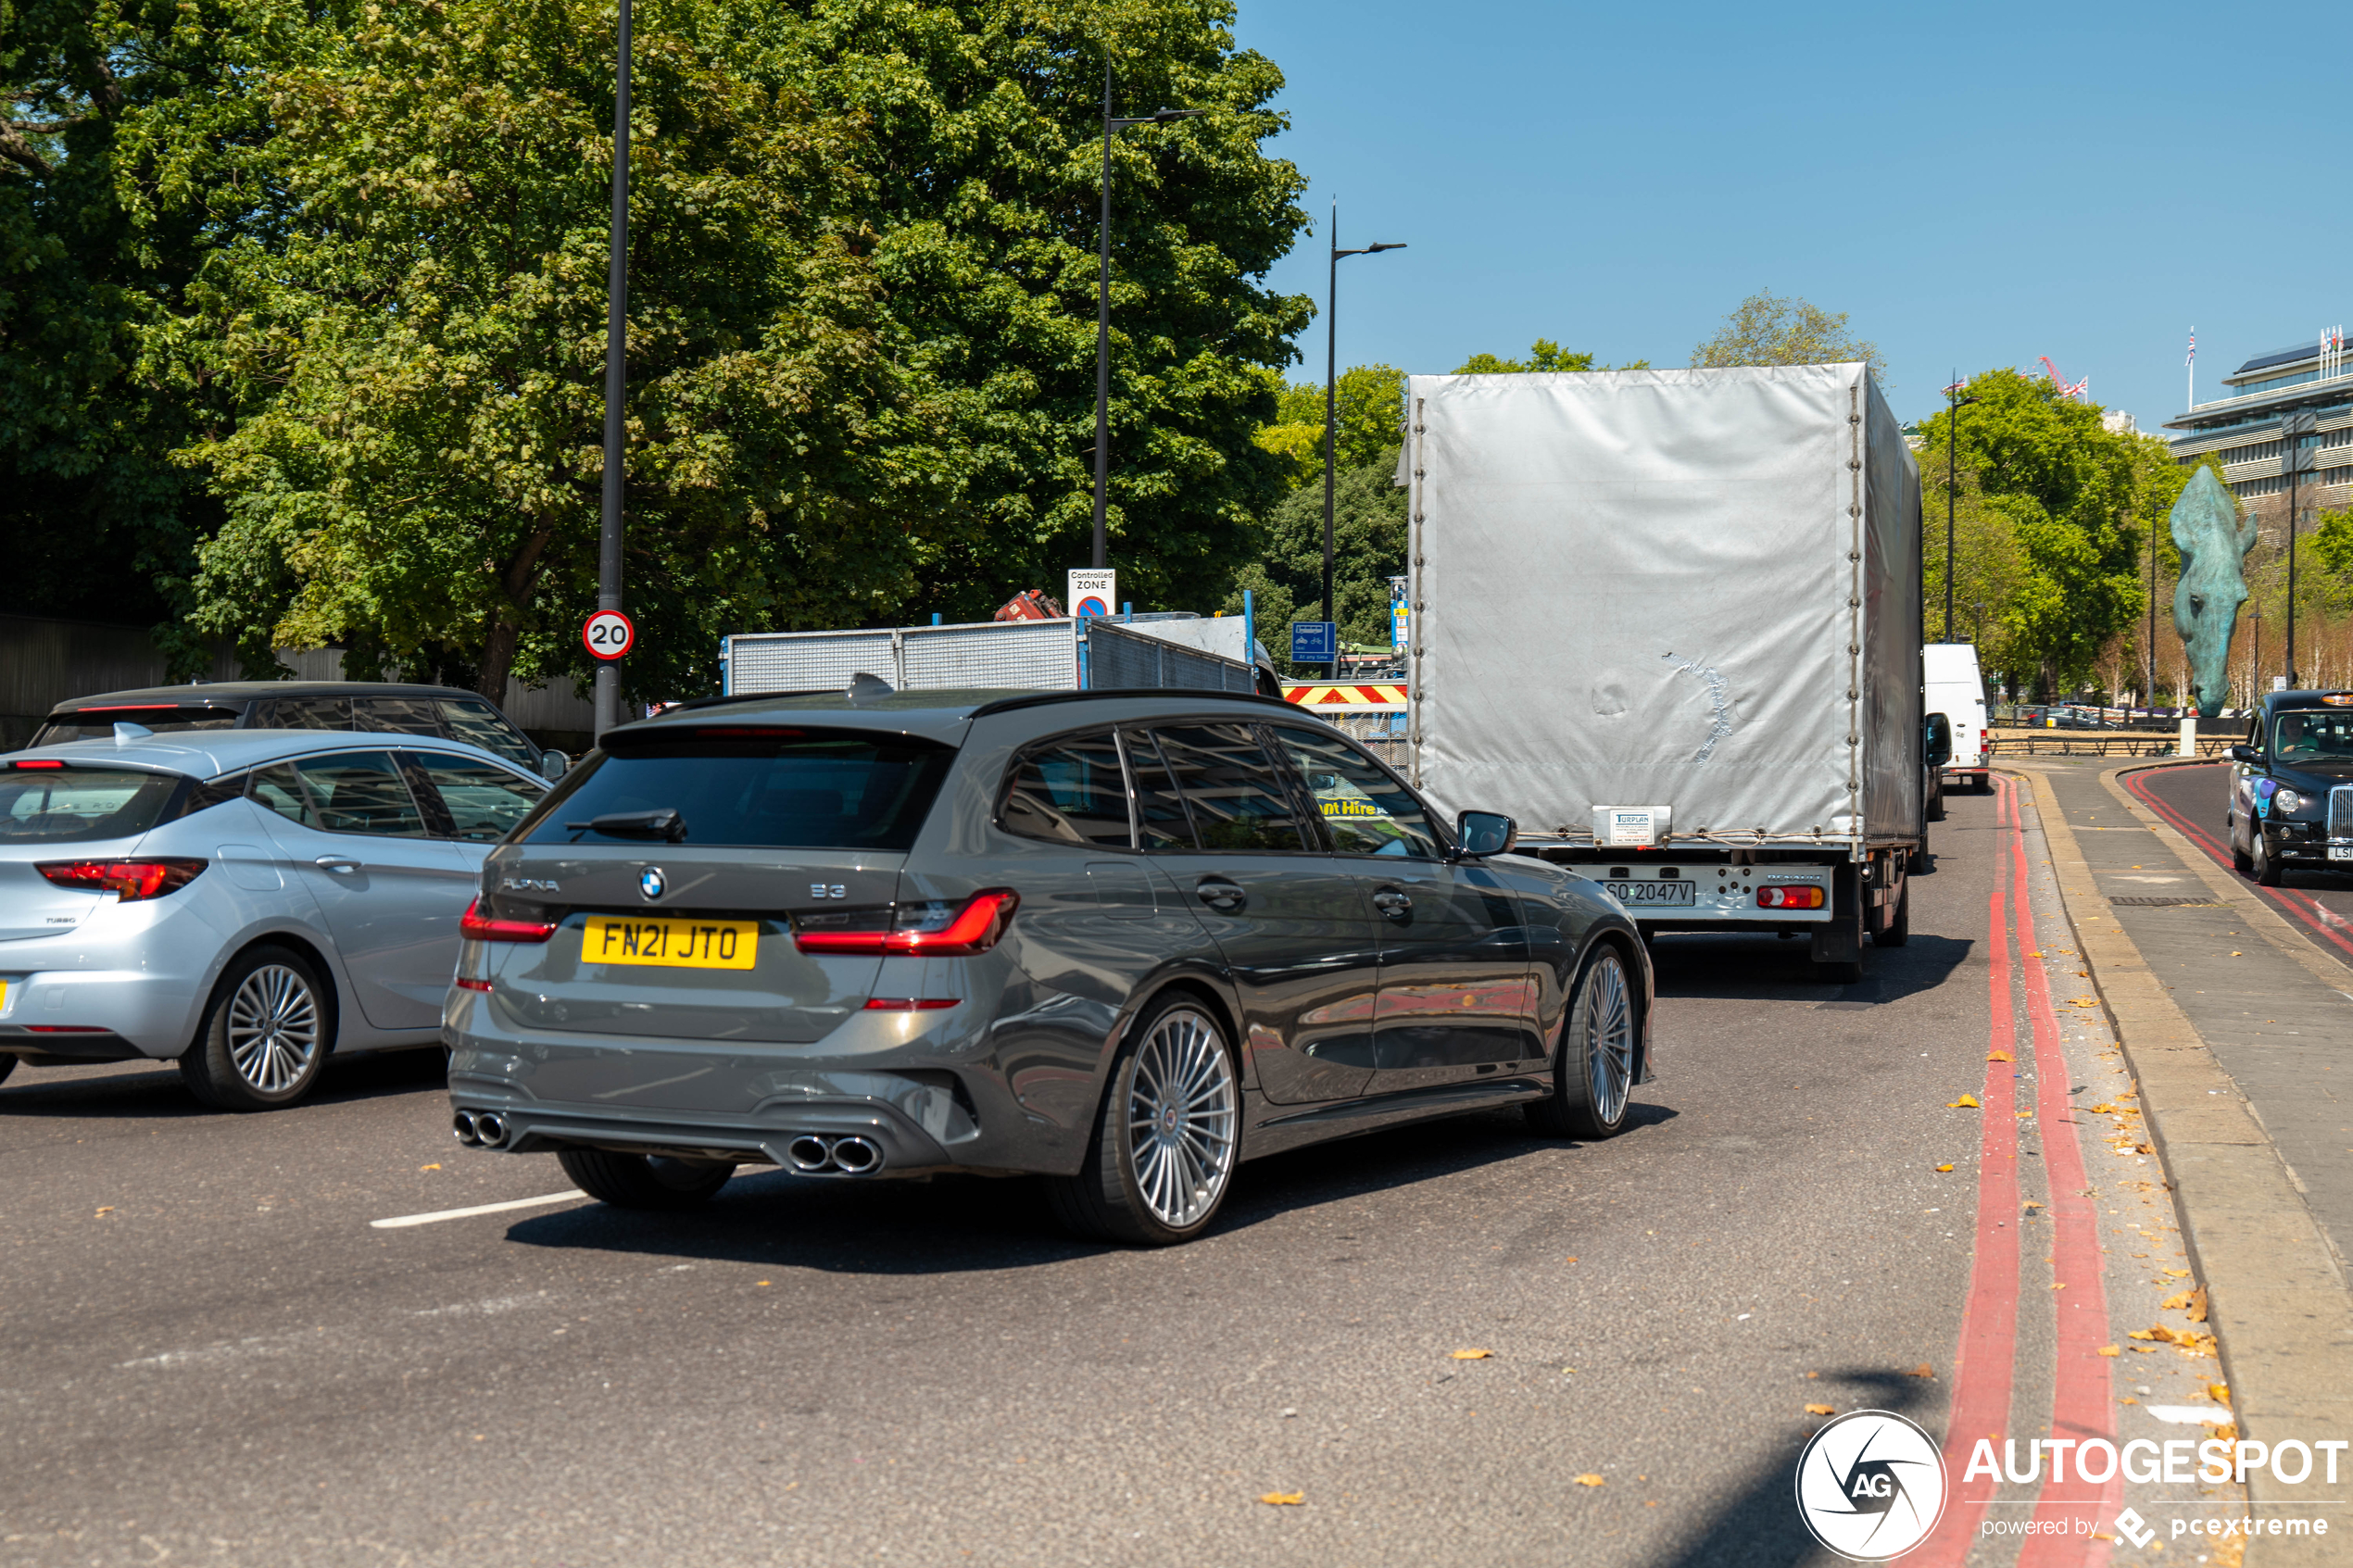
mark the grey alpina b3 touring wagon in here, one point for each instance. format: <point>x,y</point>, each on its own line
<point>1124,940</point>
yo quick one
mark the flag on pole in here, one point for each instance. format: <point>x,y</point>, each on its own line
<point>2193,359</point>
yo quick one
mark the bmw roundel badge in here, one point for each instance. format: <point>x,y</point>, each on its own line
<point>651,885</point>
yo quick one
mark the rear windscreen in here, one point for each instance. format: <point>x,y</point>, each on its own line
<point>79,804</point>
<point>98,723</point>
<point>798,789</point>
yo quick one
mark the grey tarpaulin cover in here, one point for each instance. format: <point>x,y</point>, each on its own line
<point>1697,589</point>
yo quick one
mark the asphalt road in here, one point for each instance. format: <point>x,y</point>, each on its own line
<point>208,1353</point>
<point>2318,903</point>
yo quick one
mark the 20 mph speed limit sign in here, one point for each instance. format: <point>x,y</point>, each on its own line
<point>608,634</point>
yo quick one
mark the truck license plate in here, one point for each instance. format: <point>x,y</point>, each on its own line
<point>1654,894</point>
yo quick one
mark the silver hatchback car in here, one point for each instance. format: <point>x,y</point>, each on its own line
<point>1123,940</point>
<point>243,902</point>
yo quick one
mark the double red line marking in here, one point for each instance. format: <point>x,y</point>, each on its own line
<point>1984,1366</point>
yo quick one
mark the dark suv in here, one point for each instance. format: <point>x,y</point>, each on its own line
<point>375,707</point>
<point>1125,940</point>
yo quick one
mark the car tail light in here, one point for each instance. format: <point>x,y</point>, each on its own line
<point>1788,898</point>
<point>910,1004</point>
<point>66,1029</point>
<point>38,762</point>
<point>933,930</point>
<point>475,927</point>
<point>130,880</point>
<point>466,984</point>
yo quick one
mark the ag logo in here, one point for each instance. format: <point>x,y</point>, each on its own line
<point>1870,1485</point>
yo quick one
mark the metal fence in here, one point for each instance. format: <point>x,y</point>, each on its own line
<point>2063,743</point>
<point>1117,657</point>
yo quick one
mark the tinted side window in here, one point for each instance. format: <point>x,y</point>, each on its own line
<point>476,722</point>
<point>1239,801</point>
<point>1365,811</point>
<point>484,801</point>
<point>345,792</point>
<point>398,715</point>
<point>1160,823</point>
<point>1070,790</point>
<point>302,713</point>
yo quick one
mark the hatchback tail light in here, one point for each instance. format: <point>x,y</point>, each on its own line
<point>475,927</point>
<point>1788,898</point>
<point>931,930</point>
<point>131,881</point>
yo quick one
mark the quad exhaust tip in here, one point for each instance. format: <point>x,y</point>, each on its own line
<point>815,1156</point>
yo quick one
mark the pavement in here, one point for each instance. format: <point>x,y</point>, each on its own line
<point>1923,1194</point>
<point>2231,1005</point>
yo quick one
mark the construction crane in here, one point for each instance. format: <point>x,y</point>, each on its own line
<point>2081,389</point>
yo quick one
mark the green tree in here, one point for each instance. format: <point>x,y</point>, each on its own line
<point>1542,355</point>
<point>1769,329</point>
<point>1367,408</point>
<point>2060,507</point>
<point>131,148</point>
<point>1368,549</point>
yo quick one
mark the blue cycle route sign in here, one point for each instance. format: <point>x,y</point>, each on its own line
<point>1313,642</point>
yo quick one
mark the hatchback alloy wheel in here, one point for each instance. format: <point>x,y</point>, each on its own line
<point>1182,1106</point>
<point>273,1029</point>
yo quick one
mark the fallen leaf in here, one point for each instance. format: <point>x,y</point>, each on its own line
<point>2178,1274</point>
<point>2219,1392</point>
<point>1999,1056</point>
<point>2103,1109</point>
<point>2059,1288</point>
<point>1589,1480</point>
<point>1822,1410</point>
<point>2197,1305</point>
<point>2226,1430</point>
<point>1282,1500</point>
<point>108,1209</point>
<point>2160,1333</point>
<point>2238,955</point>
<point>2176,1303</point>
<point>1472,1355</point>
<point>1923,1370</point>
<point>2151,1148</point>
<point>2142,1349</point>
<point>1572,1259</point>
<point>2032,1204</point>
<point>2111,1349</point>
<point>1967,1102</point>
<point>428,1167</point>
<point>2021,1114</point>
<point>1944,1167</point>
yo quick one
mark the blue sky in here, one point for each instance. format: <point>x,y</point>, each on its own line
<point>1975,185</point>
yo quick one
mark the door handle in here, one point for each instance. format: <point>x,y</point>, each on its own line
<point>1393,903</point>
<point>1220,895</point>
<point>339,864</point>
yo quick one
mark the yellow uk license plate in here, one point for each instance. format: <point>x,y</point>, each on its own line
<point>674,943</point>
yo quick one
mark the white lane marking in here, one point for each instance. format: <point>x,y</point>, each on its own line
<point>401,1221</point>
<point>2190,1415</point>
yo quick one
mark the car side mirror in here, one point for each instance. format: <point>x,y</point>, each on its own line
<point>2243,753</point>
<point>1939,740</point>
<point>1480,833</point>
<point>552,765</point>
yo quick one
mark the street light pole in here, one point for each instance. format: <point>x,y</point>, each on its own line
<point>2294,461</point>
<point>1331,382</point>
<point>1955,403</point>
<point>1102,303</point>
<point>616,353</point>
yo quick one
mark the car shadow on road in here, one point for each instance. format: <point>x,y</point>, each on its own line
<point>1758,1526</point>
<point>955,1225</point>
<point>129,1090</point>
<point>1763,967</point>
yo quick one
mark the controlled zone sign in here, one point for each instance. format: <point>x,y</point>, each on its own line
<point>1313,642</point>
<point>608,634</point>
<point>1092,592</point>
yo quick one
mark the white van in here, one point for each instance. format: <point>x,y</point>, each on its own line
<point>1958,691</point>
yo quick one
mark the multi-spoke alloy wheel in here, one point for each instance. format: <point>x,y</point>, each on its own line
<point>1594,1066</point>
<point>266,1033</point>
<point>1167,1135</point>
<point>273,1029</point>
<point>1182,1106</point>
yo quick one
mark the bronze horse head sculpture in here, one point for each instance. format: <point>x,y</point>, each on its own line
<point>2206,606</point>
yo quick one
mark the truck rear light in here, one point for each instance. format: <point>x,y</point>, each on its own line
<point>475,927</point>
<point>910,1004</point>
<point>928,930</point>
<point>131,881</point>
<point>1788,898</point>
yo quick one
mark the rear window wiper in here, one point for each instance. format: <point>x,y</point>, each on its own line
<point>665,825</point>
